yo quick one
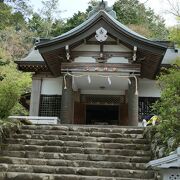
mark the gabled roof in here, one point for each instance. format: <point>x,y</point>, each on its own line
<point>33,55</point>
<point>149,53</point>
<point>93,19</point>
<point>33,62</point>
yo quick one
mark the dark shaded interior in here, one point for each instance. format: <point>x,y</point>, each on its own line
<point>102,114</point>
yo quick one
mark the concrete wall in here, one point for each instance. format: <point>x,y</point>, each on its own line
<point>52,86</point>
<point>148,88</point>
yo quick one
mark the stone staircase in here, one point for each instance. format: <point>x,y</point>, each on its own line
<point>70,152</point>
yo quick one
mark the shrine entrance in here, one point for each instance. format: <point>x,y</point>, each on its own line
<point>101,110</point>
<point>102,114</point>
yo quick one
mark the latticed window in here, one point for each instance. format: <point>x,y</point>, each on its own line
<point>50,105</point>
<point>145,104</point>
<point>103,99</point>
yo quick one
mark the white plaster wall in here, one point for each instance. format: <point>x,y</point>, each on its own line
<point>52,86</point>
<point>85,60</point>
<point>117,48</point>
<point>103,92</point>
<point>117,60</point>
<point>92,47</point>
<point>148,88</point>
<point>87,47</point>
<point>117,83</point>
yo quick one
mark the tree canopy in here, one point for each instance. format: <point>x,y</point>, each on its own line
<point>12,84</point>
<point>15,42</point>
<point>174,32</point>
<point>168,106</point>
<point>135,14</point>
<point>131,13</point>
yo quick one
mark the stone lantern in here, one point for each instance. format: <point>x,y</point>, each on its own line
<point>169,167</point>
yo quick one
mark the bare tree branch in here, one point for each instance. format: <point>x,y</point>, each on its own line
<point>174,7</point>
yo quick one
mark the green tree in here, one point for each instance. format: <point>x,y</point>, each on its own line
<point>58,27</point>
<point>132,12</point>
<point>11,18</point>
<point>5,57</point>
<point>44,23</point>
<point>16,43</point>
<point>12,84</point>
<point>19,6</point>
<point>5,15</point>
<point>49,10</point>
<point>168,107</point>
<point>174,34</point>
<point>36,24</point>
<point>77,19</point>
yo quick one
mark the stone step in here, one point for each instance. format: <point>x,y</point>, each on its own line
<point>77,138</point>
<point>82,150</point>
<point>74,152</point>
<point>77,128</point>
<point>76,156</point>
<point>84,133</point>
<point>77,171</point>
<point>43,176</point>
<point>129,145</point>
<point>74,163</point>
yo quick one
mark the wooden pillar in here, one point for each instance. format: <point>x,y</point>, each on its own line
<point>77,95</point>
<point>67,102</point>
<point>132,104</point>
<point>35,96</point>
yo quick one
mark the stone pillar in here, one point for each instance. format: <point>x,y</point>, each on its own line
<point>67,102</point>
<point>132,104</point>
<point>35,96</point>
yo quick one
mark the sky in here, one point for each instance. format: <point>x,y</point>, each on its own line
<point>69,7</point>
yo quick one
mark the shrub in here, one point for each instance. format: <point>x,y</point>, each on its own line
<point>13,83</point>
<point>168,107</point>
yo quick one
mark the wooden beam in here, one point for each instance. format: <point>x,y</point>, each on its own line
<point>107,54</point>
<point>105,43</point>
<point>96,67</point>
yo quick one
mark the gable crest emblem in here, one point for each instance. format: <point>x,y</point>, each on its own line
<point>101,34</point>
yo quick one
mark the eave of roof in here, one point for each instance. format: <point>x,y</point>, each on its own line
<point>53,49</point>
<point>101,14</point>
<point>32,66</point>
<point>167,162</point>
<point>34,55</point>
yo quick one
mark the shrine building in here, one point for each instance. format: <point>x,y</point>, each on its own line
<point>100,72</point>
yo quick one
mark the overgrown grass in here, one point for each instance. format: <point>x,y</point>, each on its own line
<point>8,127</point>
<point>160,142</point>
